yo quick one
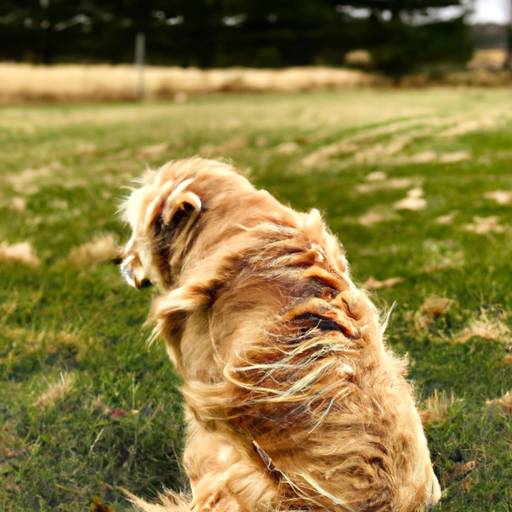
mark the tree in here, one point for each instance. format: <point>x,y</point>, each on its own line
<point>400,34</point>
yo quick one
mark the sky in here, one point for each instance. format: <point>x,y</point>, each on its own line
<point>491,11</point>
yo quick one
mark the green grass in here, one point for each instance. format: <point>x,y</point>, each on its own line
<point>120,424</point>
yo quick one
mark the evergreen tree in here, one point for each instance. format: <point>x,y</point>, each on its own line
<point>400,34</point>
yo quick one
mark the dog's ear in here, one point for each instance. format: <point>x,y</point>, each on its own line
<point>185,204</point>
<point>172,206</point>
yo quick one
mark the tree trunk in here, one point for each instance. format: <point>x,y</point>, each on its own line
<point>508,62</point>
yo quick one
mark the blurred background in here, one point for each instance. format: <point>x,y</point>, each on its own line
<point>410,42</point>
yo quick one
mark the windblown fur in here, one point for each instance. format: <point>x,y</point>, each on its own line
<point>293,402</point>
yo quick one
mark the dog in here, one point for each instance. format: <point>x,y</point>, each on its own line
<point>292,399</point>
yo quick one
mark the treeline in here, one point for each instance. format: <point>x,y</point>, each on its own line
<point>399,34</point>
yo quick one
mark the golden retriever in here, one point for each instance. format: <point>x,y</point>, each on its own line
<point>293,401</point>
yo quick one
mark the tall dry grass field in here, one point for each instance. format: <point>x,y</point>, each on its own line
<point>23,82</point>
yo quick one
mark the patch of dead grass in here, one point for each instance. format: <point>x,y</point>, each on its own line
<point>152,151</point>
<point>487,328</point>
<point>446,219</point>
<point>384,184</point>
<point>502,197</point>
<point>56,391</point>
<point>374,284</point>
<point>471,125</point>
<point>287,148</point>
<point>483,225</point>
<point>433,307</point>
<point>414,201</point>
<point>505,402</point>
<point>454,157</point>
<point>209,150</point>
<point>100,250</point>
<point>436,408</point>
<point>21,252</point>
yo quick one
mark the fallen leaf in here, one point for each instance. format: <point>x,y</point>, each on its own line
<point>100,250</point>
<point>231,145</point>
<point>487,328</point>
<point>56,391</point>
<point>467,485</point>
<point>431,309</point>
<point>411,203</point>
<point>370,219</point>
<point>98,506</point>
<point>500,196</point>
<point>18,253</point>
<point>482,225</point>
<point>373,284</point>
<point>152,151</point>
<point>376,176</point>
<point>462,469</point>
<point>505,402</point>
<point>287,148</point>
<point>446,219</point>
<point>423,158</point>
<point>458,156</point>
<point>436,407</point>
<point>415,193</point>
<point>385,184</point>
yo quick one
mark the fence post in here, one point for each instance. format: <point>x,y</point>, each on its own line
<point>140,51</point>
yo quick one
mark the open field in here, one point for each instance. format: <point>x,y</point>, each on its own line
<point>418,187</point>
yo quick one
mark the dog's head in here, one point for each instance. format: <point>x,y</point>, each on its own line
<point>168,213</point>
<point>162,214</point>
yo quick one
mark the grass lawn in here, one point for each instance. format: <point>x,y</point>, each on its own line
<point>87,407</point>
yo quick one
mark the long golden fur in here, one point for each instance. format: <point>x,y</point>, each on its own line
<point>292,400</point>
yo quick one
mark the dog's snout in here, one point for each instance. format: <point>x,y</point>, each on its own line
<point>133,273</point>
<point>127,274</point>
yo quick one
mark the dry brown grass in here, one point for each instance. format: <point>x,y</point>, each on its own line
<point>24,82</point>
<point>505,402</point>
<point>56,391</point>
<point>98,251</point>
<point>431,309</point>
<point>374,284</point>
<point>436,408</point>
<point>483,225</point>
<point>487,328</point>
<point>18,253</point>
<point>491,58</point>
